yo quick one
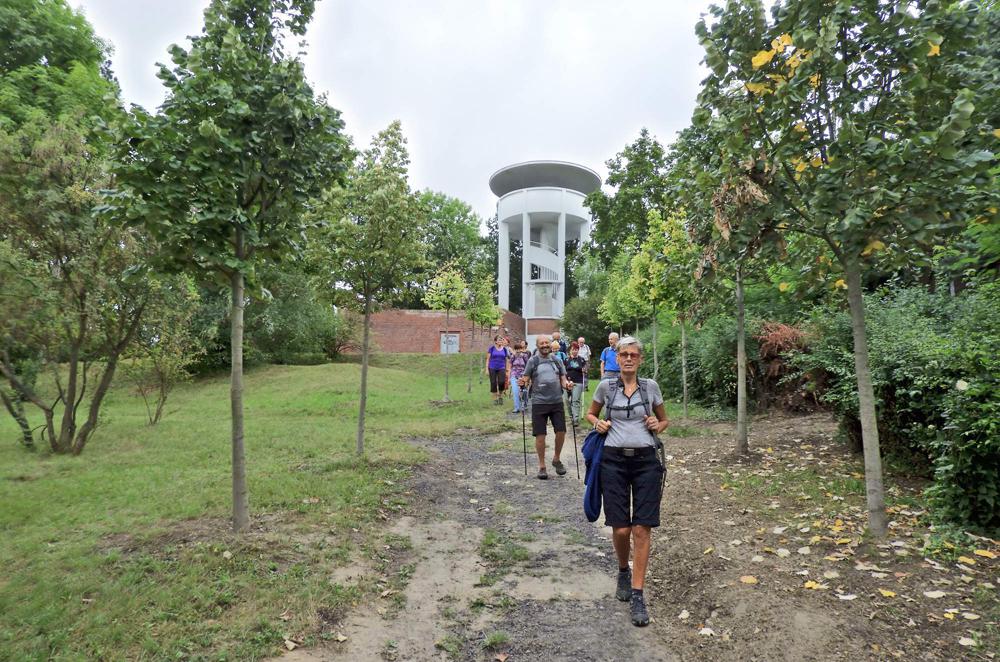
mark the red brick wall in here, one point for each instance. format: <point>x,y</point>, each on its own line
<point>398,330</point>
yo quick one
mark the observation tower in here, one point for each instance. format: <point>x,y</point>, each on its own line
<point>540,206</point>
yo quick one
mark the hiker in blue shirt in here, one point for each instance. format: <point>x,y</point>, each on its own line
<point>609,358</point>
<point>631,473</point>
<point>547,377</point>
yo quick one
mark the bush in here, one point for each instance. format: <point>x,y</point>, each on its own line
<point>935,363</point>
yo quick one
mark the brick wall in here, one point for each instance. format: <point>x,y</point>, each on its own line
<point>399,330</point>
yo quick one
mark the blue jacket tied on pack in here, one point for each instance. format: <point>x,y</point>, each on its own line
<point>593,450</point>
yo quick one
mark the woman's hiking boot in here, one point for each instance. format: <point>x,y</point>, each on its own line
<point>624,590</point>
<point>640,616</point>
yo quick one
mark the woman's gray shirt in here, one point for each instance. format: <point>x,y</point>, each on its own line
<point>628,429</point>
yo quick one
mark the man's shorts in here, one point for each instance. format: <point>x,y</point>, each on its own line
<point>635,481</point>
<point>543,412</point>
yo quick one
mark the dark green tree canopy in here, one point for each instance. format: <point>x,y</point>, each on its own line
<point>638,175</point>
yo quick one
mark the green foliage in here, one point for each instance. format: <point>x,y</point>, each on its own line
<point>579,319</point>
<point>937,382</point>
<point>223,172</point>
<point>452,235</point>
<point>447,291</point>
<point>637,174</point>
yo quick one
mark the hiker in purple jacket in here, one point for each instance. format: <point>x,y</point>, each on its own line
<point>499,366</point>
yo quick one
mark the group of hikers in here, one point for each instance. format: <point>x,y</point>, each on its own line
<point>628,469</point>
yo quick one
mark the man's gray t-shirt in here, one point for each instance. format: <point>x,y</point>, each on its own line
<point>546,379</point>
<point>627,427</point>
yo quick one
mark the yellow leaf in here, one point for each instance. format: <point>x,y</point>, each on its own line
<point>814,80</point>
<point>816,162</point>
<point>748,579</point>
<point>950,617</point>
<point>782,287</point>
<point>996,133</point>
<point>781,42</point>
<point>815,586</point>
<point>840,284</point>
<point>887,593</point>
<point>967,560</point>
<point>757,88</point>
<point>800,166</point>
<point>762,58</point>
<point>842,541</point>
<point>986,553</point>
<point>800,126</point>
<point>709,550</point>
<point>873,245</point>
<point>935,49</point>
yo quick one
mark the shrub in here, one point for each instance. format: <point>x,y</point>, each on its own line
<point>935,362</point>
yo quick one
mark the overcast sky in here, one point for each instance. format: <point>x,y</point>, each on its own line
<point>477,84</point>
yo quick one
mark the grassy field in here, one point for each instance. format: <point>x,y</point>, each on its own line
<point>125,552</point>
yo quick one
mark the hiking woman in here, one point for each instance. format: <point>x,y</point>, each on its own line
<point>631,472</point>
<point>517,363</point>
<point>499,367</point>
<point>574,371</point>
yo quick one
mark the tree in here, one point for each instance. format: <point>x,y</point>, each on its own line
<point>668,277</point>
<point>447,292</point>
<point>167,343</point>
<point>480,309</point>
<point>223,173</point>
<point>452,235</point>
<point>624,301</point>
<point>373,239</point>
<point>857,120</point>
<point>637,174</point>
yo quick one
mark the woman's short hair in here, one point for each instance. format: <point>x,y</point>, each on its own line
<point>626,341</point>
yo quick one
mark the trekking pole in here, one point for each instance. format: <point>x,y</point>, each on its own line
<point>576,453</point>
<point>524,430</point>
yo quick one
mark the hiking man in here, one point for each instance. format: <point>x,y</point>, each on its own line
<point>585,355</point>
<point>631,472</point>
<point>547,377</point>
<point>609,358</point>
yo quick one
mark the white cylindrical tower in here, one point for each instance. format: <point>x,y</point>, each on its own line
<point>541,204</point>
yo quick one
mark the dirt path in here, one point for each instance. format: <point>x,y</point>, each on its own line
<point>498,558</point>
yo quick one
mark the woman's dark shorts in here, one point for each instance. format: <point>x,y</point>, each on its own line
<point>498,380</point>
<point>635,481</point>
<point>541,413</point>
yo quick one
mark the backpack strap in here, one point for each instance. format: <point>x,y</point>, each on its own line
<point>659,444</point>
<point>613,393</point>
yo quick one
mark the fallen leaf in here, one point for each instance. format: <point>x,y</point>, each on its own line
<point>934,594</point>
<point>501,657</point>
<point>290,645</point>
<point>748,579</point>
<point>804,550</point>
<point>757,559</point>
<point>984,552</point>
<point>886,593</point>
<point>831,574</point>
<point>966,641</point>
<point>706,632</point>
<point>950,617</point>
<point>782,552</point>
<point>778,530</point>
<point>969,616</point>
<point>842,541</point>
<point>709,550</point>
<point>341,638</point>
<point>815,586</point>
<point>967,560</point>
<point>847,596</point>
<point>684,615</point>
<point>227,555</point>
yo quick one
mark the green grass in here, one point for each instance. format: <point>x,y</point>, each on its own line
<point>496,640</point>
<point>125,552</point>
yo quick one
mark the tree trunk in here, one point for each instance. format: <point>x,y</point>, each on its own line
<point>656,354</point>
<point>364,378</point>
<point>83,434</point>
<point>447,352</point>
<point>877,519</point>
<point>241,499</point>
<point>67,428</point>
<point>15,406</point>
<point>27,393</point>
<point>742,441</point>
<point>472,357</point>
<point>684,366</point>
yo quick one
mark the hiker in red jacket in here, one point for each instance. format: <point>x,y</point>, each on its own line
<point>631,473</point>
